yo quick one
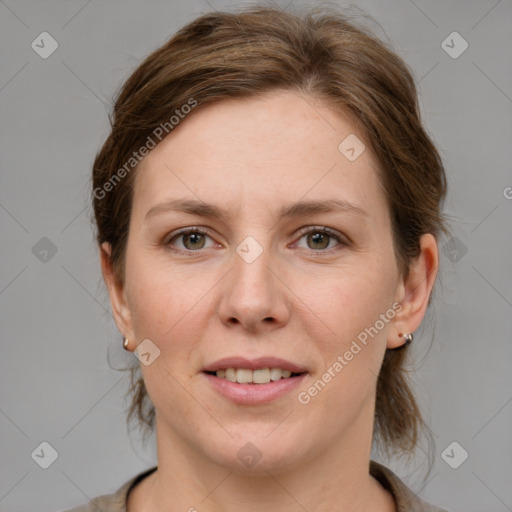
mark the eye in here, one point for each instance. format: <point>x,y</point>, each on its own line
<point>193,238</point>
<point>320,238</point>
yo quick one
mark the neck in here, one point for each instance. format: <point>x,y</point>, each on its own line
<point>337,479</point>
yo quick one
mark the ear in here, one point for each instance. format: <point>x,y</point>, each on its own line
<point>414,291</point>
<point>116,290</point>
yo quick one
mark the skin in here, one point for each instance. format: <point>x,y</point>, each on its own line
<point>301,299</point>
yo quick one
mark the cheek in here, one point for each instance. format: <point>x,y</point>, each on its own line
<point>358,317</point>
<point>168,307</point>
<point>356,300</point>
<point>157,302</point>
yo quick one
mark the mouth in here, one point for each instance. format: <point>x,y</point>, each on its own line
<point>256,381</point>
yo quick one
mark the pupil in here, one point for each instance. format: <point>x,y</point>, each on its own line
<point>317,237</point>
<point>193,237</point>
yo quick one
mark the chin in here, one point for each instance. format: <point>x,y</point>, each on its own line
<point>258,454</point>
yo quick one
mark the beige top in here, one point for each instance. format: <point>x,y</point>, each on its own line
<point>405,498</point>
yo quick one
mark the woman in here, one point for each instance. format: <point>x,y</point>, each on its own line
<point>268,209</point>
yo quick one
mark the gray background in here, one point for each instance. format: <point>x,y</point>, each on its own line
<point>56,328</point>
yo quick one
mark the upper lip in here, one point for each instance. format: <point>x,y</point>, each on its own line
<point>253,364</point>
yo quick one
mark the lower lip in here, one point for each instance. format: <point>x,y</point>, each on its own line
<point>254,394</point>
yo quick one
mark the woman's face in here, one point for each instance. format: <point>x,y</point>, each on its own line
<point>261,285</point>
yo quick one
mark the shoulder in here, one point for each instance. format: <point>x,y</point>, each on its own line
<point>115,502</point>
<point>406,499</point>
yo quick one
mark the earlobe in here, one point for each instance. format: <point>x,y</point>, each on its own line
<point>116,290</point>
<point>414,292</point>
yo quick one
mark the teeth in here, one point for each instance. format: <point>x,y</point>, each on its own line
<point>260,376</point>
<point>243,376</point>
<point>246,376</point>
<point>276,373</point>
<point>230,374</point>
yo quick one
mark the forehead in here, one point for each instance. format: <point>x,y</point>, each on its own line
<point>262,151</point>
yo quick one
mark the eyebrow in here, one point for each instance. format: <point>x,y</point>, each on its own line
<point>298,209</point>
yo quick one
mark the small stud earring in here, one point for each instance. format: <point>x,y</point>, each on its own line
<point>125,344</point>
<point>408,338</point>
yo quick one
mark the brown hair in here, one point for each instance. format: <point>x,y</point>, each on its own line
<point>322,54</point>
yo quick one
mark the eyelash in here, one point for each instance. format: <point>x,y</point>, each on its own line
<point>306,231</point>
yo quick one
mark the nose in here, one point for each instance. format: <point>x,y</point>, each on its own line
<point>254,295</point>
